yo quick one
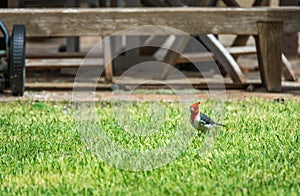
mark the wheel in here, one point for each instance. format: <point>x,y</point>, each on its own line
<point>17,60</point>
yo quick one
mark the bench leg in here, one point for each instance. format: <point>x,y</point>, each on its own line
<point>288,73</point>
<point>224,57</point>
<point>107,52</point>
<point>269,49</point>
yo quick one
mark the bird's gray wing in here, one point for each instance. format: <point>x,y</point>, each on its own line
<point>206,119</point>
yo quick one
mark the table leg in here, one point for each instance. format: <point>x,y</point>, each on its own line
<point>108,55</point>
<point>269,49</point>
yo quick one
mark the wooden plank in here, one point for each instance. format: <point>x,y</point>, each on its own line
<point>108,59</point>
<point>106,21</point>
<point>73,60</point>
<point>241,40</point>
<point>101,86</point>
<point>51,63</point>
<point>208,56</point>
<point>195,57</point>
<point>288,73</point>
<point>269,50</point>
<point>56,55</point>
<point>224,57</point>
<point>241,50</point>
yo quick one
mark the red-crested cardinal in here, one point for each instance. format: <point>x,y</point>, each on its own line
<point>199,120</point>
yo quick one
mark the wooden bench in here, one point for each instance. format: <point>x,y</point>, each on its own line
<point>267,25</point>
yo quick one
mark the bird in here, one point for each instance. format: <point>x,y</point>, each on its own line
<point>200,121</point>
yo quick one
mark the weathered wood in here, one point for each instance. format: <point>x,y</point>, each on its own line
<point>241,40</point>
<point>73,60</point>
<point>195,57</point>
<point>100,86</point>
<point>231,3</point>
<point>241,50</point>
<point>288,74</point>
<point>30,55</point>
<point>269,50</point>
<point>224,57</point>
<point>106,21</point>
<point>237,50</point>
<point>108,57</point>
<point>52,63</point>
<point>208,56</point>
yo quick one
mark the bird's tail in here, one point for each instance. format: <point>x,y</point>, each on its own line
<point>220,125</point>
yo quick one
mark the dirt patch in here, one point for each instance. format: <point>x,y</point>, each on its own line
<point>108,95</point>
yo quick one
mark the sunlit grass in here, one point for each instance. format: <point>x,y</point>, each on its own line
<point>42,152</point>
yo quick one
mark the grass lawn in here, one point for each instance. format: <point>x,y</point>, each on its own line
<point>258,153</point>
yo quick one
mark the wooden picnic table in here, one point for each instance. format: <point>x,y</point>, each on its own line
<point>267,24</point>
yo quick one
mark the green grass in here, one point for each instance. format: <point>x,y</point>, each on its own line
<point>42,152</point>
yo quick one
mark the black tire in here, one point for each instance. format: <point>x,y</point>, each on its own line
<point>17,60</point>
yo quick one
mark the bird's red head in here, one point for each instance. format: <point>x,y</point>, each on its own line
<point>195,108</point>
